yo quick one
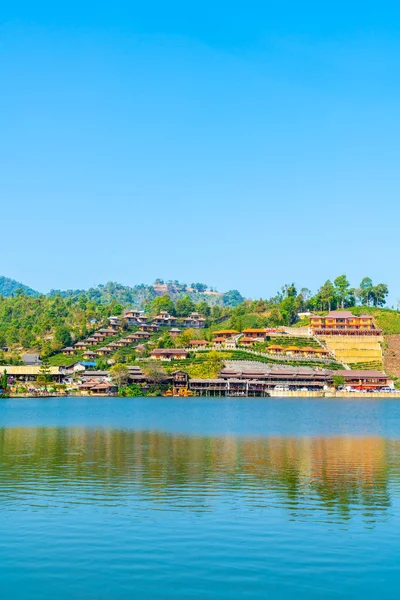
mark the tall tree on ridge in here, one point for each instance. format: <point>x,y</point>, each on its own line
<point>366,287</point>
<point>342,286</point>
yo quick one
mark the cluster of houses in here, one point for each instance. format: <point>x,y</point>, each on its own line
<point>335,323</point>
<point>131,317</point>
<point>164,319</point>
<point>244,381</point>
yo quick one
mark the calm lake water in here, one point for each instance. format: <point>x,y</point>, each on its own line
<point>199,498</point>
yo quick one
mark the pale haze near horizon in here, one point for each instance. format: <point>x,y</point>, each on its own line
<point>246,146</point>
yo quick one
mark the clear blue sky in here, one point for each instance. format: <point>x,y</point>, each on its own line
<point>243,144</point>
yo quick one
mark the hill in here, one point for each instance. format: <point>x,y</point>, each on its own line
<point>10,287</point>
<point>140,295</point>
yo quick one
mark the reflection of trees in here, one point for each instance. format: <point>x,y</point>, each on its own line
<point>336,473</point>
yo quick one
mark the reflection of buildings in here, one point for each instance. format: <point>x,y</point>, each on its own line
<point>334,474</point>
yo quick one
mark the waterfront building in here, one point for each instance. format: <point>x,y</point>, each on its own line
<point>180,379</point>
<point>31,373</point>
<point>103,387</point>
<point>365,379</point>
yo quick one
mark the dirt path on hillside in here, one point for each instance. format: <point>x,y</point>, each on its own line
<point>391,357</point>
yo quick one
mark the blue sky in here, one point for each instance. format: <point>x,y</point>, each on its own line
<point>244,144</point>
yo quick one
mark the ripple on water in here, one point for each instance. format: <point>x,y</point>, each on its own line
<point>117,512</point>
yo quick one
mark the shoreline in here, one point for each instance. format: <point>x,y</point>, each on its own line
<point>273,394</point>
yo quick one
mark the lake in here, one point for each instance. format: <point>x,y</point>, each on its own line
<point>118,498</point>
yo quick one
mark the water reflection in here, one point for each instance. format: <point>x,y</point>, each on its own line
<point>337,476</point>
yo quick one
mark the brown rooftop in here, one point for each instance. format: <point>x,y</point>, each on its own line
<point>169,351</point>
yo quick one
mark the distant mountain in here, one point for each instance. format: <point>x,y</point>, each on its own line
<point>137,296</point>
<point>10,287</point>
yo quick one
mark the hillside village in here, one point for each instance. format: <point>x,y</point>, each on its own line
<point>339,340</point>
<point>336,353</point>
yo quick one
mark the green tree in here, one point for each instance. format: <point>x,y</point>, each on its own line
<point>119,374</point>
<point>366,290</point>
<point>289,290</point>
<point>186,336</point>
<point>199,287</point>
<point>130,391</point>
<point>184,306</point>
<point>379,293</point>
<point>203,309</point>
<point>163,302</point>
<point>327,294</point>
<point>154,372</point>
<point>342,286</point>
<point>232,298</point>
<point>338,381</point>
<point>44,376</point>
<point>165,341</point>
<point>62,336</point>
<point>4,381</point>
<point>288,310</point>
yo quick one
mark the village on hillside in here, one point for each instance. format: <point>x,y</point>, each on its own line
<point>338,353</point>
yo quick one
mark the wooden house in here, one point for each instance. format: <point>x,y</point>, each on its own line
<point>164,318</point>
<point>68,351</point>
<point>149,327</point>
<point>104,351</point>
<point>198,343</point>
<point>195,321</point>
<point>256,334</point>
<point>224,333</point>
<point>169,354</point>
<point>107,332</point>
<point>80,346</point>
<point>175,331</point>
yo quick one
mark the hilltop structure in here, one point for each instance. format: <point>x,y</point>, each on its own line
<point>343,323</point>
